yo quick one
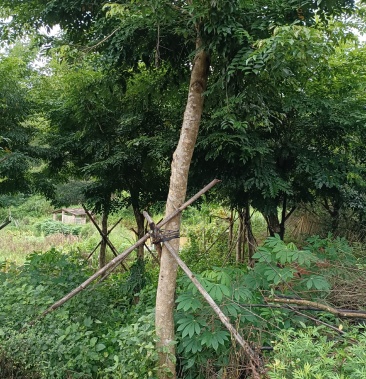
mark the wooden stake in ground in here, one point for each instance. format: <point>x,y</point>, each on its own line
<point>108,268</point>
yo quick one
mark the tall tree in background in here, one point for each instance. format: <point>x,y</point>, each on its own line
<point>292,86</point>
<point>114,138</point>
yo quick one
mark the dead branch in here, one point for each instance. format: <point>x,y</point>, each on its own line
<point>313,304</point>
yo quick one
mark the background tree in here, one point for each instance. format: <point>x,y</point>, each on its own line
<point>255,139</point>
<point>16,133</point>
<point>115,138</point>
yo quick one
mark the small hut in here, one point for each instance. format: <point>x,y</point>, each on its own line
<point>70,215</point>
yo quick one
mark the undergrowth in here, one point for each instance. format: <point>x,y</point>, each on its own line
<point>107,331</point>
<point>101,333</point>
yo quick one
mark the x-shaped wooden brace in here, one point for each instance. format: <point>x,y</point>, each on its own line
<point>104,236</point>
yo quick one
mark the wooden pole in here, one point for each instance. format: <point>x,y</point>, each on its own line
<point>114,262</point>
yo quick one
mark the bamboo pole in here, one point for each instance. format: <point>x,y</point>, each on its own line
<point>114,262</point>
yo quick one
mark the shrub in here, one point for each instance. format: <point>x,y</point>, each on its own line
<point>280,269</point>
<point>98,334</point>
<point>52,227</point>
<point>316,353</point>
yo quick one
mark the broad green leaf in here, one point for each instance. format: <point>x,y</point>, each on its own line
<point>100,347</point>
<point>93,341</point>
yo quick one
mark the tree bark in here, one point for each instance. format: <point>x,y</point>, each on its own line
<point>103,244</point>
<point>241,238</point>
<point>182,156</point>
<point>139,217</point>
<point>252,243</point>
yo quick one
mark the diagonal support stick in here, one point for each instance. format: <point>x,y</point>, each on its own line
<point>104,237</point>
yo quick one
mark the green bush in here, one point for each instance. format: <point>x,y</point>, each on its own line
<point>98,334</point>
<point>204,342</point>
<point>52,227</point>
<point>24,206</point>
<point>316,353</point>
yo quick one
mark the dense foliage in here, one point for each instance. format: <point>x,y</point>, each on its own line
<point>88,337</point>
<point>108,331</point>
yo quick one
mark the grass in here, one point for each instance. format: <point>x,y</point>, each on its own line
<point>19,239</point>
<point>16,245</point>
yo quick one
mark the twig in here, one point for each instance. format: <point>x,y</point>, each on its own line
<point>4,158</point>
<point>102,41</point>
<point>318,321</point>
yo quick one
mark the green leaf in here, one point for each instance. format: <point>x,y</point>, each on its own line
<point>93,341</point>
<point>88,322</point>
<point>285,256</point>
<point>188,330</point>
<point>279,275</point>
<point>187,302</point>
<point>318,282</point>
<point>304,257</point>
<point>100,347</point>
<point>263,255</point>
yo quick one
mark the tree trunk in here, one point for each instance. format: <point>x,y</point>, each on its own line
<point>252,243</point>
<point>103,244</point>
<point>283,217</point>
<point>334,212</point>
<point>273,224</point>
<point>231,230</point>
<point>140,220</point>
<point>165,300</point>
<point>241,238</point>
